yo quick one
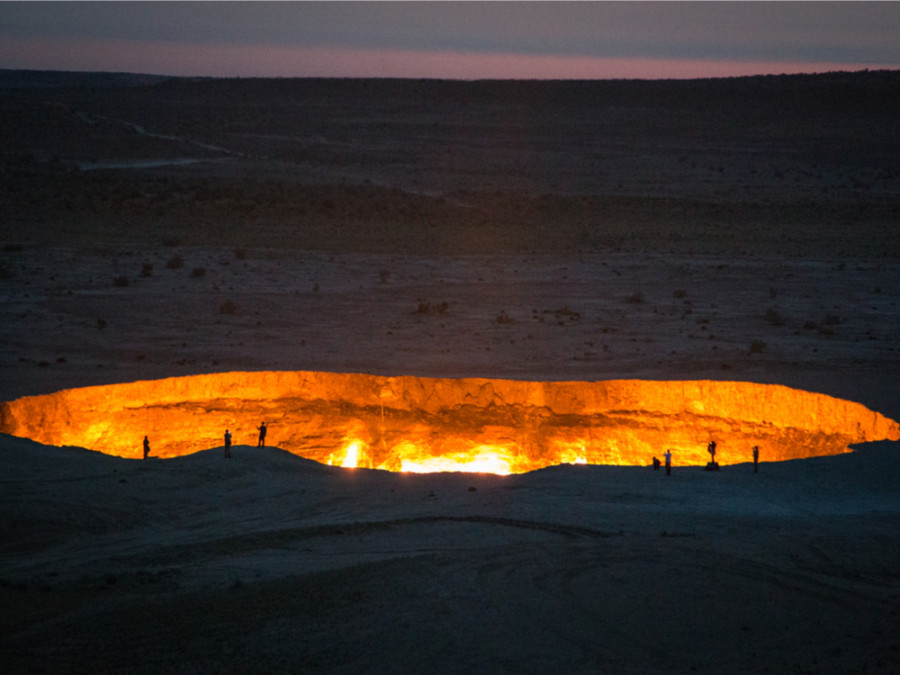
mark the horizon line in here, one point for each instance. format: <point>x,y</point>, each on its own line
<point>169,59</point>
<point>161,75</point>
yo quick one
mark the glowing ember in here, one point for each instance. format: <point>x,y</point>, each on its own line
<point>483,459</point>
<point>351,456</point>
<point>429,424</point>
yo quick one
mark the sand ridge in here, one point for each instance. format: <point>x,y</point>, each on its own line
<point>267,561</point>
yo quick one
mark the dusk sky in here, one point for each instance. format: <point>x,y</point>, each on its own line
<point>462,40</point>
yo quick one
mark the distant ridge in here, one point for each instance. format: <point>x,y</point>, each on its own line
<point>47,79</point>
<point>50,79</point>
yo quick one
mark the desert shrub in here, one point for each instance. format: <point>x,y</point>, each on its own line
<point>101,324</point>
<point>146,269</point>
<point>635,298</point>
<point>175,262</point>
<point>198,273</point>
<point>757,347</point>
<point>680,293</point>
<point>227,307</point>
<point>774,318</point>
<point>504,318</point>
<point>566,311</point>
<point>120,282</point>
<point>428,308</point>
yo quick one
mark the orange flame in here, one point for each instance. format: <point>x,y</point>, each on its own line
<point>431,424</point>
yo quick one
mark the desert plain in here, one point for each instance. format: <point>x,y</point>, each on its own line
<point>737,230</point>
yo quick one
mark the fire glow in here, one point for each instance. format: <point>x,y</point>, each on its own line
<point>420,424</point>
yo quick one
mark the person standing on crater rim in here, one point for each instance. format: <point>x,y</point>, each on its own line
<point>755,459</point>
<point>262,435</point>
<point>227,443</point>
<point>711,449</point>
<point>146,447</point>
<point>668,457</point>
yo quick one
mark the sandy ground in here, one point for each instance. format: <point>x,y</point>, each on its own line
<point>270,563</point>
<point>450,233</point>
<point>824,324</point>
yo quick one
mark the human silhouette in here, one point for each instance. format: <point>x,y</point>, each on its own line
<point>227,443</point>
<point>262,435</point>
<point>711,449</point>
<point>755,459</point>
<point>655,464</point>
<point>668,457</point>
<point>146,447</point>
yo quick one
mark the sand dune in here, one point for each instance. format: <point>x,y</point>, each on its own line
<point>267,562</point>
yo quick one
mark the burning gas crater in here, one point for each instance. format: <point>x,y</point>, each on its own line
<point>428,424</point>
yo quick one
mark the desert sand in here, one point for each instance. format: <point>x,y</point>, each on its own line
<point>268,562</point>
<point>735,230</point>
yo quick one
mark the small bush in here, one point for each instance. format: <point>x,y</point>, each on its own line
<point>757,347</point>
<point>774,318</point>
<point>120,282</point>
<point>504,318</point>
<point>146,269</point>
<point>428,308</point>
<point>175,262</point>
<point>227,307</point>
<point>101,324</point>
<point>198,273</point>
<point>635,299</point>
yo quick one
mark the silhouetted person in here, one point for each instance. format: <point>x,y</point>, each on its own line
<point>146,447</point>
<point>227,443</point>
<point>755,459</point>
<point>262,435</point>
<point>655,464</point>
<point>668,457</point>
<point>711,449</point>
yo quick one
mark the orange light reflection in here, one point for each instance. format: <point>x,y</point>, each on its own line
<point>420,424</point>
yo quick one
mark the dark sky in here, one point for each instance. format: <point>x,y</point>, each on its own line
<point>451,39</point>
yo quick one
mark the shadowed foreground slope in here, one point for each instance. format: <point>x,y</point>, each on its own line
<point>270,563</point>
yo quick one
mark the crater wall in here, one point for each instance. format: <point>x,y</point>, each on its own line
<point>392,422</point>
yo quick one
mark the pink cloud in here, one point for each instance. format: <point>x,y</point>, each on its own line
<point>265,61</point>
